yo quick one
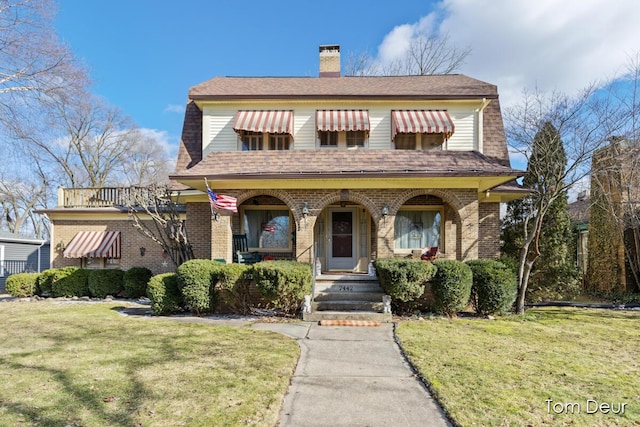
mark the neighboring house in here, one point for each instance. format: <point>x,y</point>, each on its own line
<point>340,170</point>
<point>579,214</point>
<point>20,254</point>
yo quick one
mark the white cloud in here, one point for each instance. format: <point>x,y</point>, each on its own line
<point>174,108</point>
<point>518,44</point>
<point>163,140</point>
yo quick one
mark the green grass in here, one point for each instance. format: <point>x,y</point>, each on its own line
<point>87,365</point>
<point>501,372</point>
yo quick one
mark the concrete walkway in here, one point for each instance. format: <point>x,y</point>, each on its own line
<point>353,376</point>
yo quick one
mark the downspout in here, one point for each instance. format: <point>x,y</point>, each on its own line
<point>480,110</point>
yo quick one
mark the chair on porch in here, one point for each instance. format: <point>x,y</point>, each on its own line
<point>430,254</point>
<point>241,254</point>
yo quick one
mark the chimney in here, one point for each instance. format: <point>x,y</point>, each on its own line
<point>330,60</point>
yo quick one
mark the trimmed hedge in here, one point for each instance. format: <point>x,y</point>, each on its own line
<point>451,286</point>
<point>164,294</point>
<point>283,283</point>
<point>135,281</point>
<point>70,282</point>
<point>105,282</point>
<point>404,280</point>
<point>44,283</point>
<point>21,285</point>
<point>495,286</point>
<point>195,279</point>
<point>233,286</point>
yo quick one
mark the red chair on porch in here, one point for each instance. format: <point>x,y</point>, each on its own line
<point>431,254</point>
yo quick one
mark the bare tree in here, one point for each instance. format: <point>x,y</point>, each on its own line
<point>426,55</point>
<point>583,124</point>
<point>158,214</point>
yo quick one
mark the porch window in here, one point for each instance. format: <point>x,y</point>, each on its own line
<point>415,229</point>
<point>267,228</point>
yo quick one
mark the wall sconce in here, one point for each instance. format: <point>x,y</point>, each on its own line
<point>385,212</point>
<point>305,209</point>
<point>142,250</point>
<point>61,246</point>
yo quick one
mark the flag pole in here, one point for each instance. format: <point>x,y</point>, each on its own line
<point>214,212</point>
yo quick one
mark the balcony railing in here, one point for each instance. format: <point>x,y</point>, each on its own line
<point>102,197</point>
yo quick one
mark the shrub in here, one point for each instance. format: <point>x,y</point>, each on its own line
<point>404,280</point>
<point>164,294</point>
<point>70,282</point>
<point>21,285</point>
<point>44,283</point>
<point>495,286</point>
<point>105,282</point>
<point>196,282</point>
<point>233,287</point>
<point>451,286</point>
<point>283,283</point>
<point>135,281</point>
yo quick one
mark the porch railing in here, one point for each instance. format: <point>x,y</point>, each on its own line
<point>101,197</point>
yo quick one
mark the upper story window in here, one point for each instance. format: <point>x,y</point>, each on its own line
<point>420,129</point>
<point>256,126</point>
<point>342,128</point>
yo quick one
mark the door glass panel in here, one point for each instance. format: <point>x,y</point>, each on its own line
<point>342,233</point>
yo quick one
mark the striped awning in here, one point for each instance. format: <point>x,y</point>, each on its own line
<point>94,244</point>
<point>342,120</point>
<point>272,121</point>
<point>421,121</point>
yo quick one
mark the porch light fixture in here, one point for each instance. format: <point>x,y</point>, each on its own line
<point>61,246</point>
<point>305,209</point>
<point>385,210</point>
<point>142,250</point>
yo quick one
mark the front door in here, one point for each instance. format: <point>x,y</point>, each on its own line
<point>341,249</point>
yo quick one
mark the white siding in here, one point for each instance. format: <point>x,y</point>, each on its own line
<point>217,134</point>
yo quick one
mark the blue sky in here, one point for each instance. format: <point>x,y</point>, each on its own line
<point>143,55</point>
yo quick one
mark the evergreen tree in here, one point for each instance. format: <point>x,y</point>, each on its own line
<point>554,274</point>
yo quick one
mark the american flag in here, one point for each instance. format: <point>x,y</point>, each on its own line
<point>219,201</point>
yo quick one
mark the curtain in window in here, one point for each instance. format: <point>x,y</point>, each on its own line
<point>416,229</point>
<point>268,229</point>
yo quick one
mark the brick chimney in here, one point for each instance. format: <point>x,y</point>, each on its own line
<point>330,60</point>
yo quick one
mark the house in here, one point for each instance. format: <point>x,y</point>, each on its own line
<point>21,254</point>
<point>329,169</point>
<point>343,170</point>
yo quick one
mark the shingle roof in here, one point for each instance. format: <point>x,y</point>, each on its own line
<point>323,163</point>
<point>450,86</point>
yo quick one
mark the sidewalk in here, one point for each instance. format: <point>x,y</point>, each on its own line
<point>353,376</point>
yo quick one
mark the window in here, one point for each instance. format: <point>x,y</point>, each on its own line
<point>328,138</point>
<point>100,263</point>
<point>415,229</point>
<point>355,138</point>
<point>279,141</point>
<point>267,228</point>
<point>432,141</point>
<point>251,141</point>
<point>405,141</point>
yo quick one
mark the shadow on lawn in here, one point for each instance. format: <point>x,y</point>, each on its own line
<point>79,398</point>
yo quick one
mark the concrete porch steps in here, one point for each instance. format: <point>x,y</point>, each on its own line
<point>347,297</point>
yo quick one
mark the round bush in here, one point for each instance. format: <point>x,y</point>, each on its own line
<point>70,282</point>
<point>105,282</point>
<point>404,280</point>
<point>451,286</point>
<point>197,284</point>
<point>135,281</point>
<point>495,286</point>
<point>164,294</point>
<point>21,285</point>
<point>233,287</point>
<point>44,283</point>
<point>283,283</point>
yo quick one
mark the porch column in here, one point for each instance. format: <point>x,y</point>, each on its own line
<point>304,239</point>
<point>385,238</point>
<point>469,218</point>
<point>221,242</point>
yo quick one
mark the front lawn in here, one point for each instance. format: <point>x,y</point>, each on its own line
<point>86,365</point>
<point>549,367</point>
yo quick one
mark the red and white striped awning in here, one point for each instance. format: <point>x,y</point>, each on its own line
<point>342,120</point>
<point>94,244</point>
<point>272,121</point>
<point>421,121</point>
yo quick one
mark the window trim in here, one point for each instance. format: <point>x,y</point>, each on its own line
<point>268,208</point>
<point>432,208</point>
